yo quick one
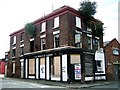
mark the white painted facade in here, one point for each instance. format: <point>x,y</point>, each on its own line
<point>100,57</point>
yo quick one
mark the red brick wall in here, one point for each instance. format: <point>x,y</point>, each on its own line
<point>110,58</point>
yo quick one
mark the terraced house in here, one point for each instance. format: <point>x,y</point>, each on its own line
<point>62,49</point>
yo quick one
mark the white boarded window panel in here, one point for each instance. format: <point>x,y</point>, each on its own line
<point>43,26</point>
<point>56,22</point>
<point>31,66</point>
<point>42,68</point>
<point>78,22</point>
<point>75,59</point>
<point>57,66</point>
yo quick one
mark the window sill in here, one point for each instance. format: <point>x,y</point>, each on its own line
<point>13,44</point>
<point>22,41</point>
<point>42,32</point>
<point>13,57</point>
<point>21,55</point>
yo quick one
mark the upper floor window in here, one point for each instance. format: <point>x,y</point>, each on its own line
<point>78,22</point>
<point>13,52</point>
<point>95,43</point>
<point>21,50</point>
<point>115,51</point>
<point>13,40</point>
<point>78,40</point>
<point>21,36</point>
<point>32,45</point>
<point>42,43</point>
<point>89,29</point>
<point>56,22</point>
<point>56,40</point>
<point>43,27</point>
<point>89,39</point>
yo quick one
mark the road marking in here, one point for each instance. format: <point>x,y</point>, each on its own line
<point>43,86</point>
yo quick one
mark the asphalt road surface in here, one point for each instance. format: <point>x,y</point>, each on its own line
<point>14,84</point>
<point>11,83</point>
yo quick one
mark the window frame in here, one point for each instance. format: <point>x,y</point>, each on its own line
<point>42,48</point>
<point>58,41</point>
<point>78,22</point>
<point>21,37</point>
<point>91,46</point>
<point>116,50</point>
<point>80,39</point>
<point>56,22</point>
<point>96,44</point>
<point>13,52</point>
<point>43,27</point>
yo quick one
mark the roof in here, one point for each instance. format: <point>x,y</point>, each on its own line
<point>108,42</point>
<point>105,43</point>
<point>53,14</point>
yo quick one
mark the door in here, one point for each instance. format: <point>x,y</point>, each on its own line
<point>116,71</point>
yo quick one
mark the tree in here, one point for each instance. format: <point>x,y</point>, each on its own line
<point>88,10</point>
<point>99,30</point>
<point>30,29</point>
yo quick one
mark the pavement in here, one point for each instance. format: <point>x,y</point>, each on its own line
<point>75,85</point>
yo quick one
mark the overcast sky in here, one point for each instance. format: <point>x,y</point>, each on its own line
<point>14,14</point>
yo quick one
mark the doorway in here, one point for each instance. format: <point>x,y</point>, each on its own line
<point>116,71</point>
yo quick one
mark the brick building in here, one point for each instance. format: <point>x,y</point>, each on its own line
<point>62,49</point>
<point>2,65</point>
<point>112,54</point>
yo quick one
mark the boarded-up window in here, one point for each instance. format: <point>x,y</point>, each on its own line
<point>42,68</point>
<point>57,66</point>
<point>88,64</point>
<point>31,66</point>
<point>42,61</point>
<point>13,67</point>
<point>75,59</point>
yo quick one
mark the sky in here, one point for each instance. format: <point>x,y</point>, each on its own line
<point>14,14</point>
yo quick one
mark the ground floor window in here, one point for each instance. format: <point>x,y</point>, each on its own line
<point>31,66</point>
<point>42,68</point>
<point>99,66</point>
<point>55,67</point>
<point>75,59</point>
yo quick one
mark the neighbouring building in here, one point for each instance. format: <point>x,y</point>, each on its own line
<point>112,54</point>
<point>2,65</point>
<point>63,49</point>
<point>8,64</point>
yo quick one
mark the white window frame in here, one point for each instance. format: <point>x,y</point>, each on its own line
<point>14,40</point>
<point>98,42</point>
<point>42,43</point>
<point>55,40</point>
<point>90,36</point>
<point>77,32</point>
<point>56,22</point>
<point>115,51</point>
<point>78,22</point>
<point>43,27</point>
<point>89,29</point>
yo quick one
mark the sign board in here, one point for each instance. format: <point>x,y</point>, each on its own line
<point>77,68</point>
<point>42,71</point>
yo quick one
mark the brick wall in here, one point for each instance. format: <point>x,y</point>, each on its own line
<point>110,58</point>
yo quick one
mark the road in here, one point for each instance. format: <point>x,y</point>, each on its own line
<point>11,83</point>
<point>112,85</point>
<point>14,84</point>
